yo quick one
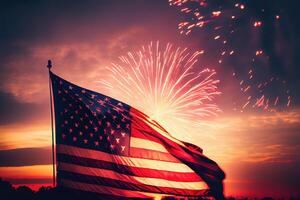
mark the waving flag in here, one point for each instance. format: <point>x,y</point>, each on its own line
<point>106,147</point>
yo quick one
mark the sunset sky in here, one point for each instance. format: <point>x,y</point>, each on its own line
<point>259,150</point>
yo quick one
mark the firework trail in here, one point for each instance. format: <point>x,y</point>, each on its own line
<point>216,16</point>
<point>258,95</point>
<point>226,23</point>
<point>164,82</point>
<point>221,17</point>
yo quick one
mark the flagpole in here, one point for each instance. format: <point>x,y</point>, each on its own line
<point>49,66</point>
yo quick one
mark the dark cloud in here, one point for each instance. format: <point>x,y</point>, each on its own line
<point>46,21</point>
<point>14,110</point>
<point>34,31</point>
<point>25,157</point>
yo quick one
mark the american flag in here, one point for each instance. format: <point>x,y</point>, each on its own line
<point>106,147</point>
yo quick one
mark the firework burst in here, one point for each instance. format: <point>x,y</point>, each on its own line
<point>166,84</point>
<point>227,25</point>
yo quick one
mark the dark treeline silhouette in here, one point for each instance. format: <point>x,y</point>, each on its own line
<point>8,192</point>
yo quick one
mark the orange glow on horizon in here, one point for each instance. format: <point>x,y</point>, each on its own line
<point>26,172</point>
<point>24,136</point>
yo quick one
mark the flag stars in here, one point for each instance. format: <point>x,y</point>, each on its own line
<point>117,109</point>
<point>112,132</point>
<point>122,148</point>
<point>101,102</point>
<point>91,120</point>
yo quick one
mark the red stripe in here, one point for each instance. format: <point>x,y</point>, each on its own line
<point>123,160</point>
<point>123,169</point>
<point>136,186</point>
<point>153,155</point>
<point>184,153</point>
<point>140,129</point>
<point>137,132</point>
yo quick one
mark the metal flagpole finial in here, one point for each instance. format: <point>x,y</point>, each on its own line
<point>49,66</point>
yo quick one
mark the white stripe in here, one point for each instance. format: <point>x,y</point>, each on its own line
<point>147,144</point>
<point>123,160</point>
<point>152,124</point>
<point>104,173</point>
